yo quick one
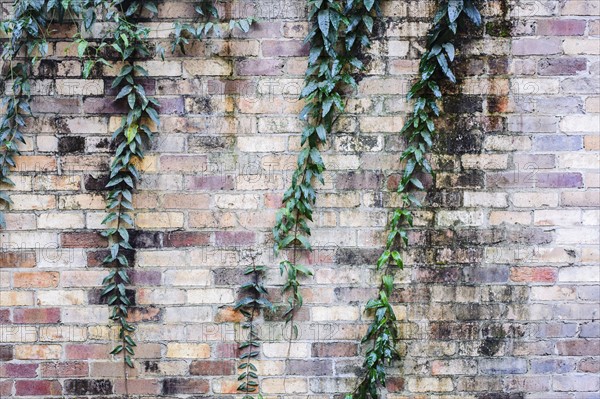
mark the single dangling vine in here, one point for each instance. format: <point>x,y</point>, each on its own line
<point>130,41</point>
<point>419,131</point>
<point>338,34</point>
<point>209,21</point>
<point>27,30</point>
<point>251,306</point>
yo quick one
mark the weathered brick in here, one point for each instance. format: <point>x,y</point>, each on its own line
<point>37,388</point>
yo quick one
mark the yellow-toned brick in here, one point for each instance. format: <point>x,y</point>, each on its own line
<point>188,351</point>
<point>288,385</point>
<point>38,352</point>
<point>16,298</point>
<point>79,87</point>
<point>32,202</point>
<point>335,313</point>
<point>506,217</point>
<point>156,220</point>
<point>61,220</point>
<point>209,67</point>
<point>81,201</point>
<point>280,349</point>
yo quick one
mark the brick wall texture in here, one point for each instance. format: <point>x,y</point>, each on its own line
<point>500,295</point>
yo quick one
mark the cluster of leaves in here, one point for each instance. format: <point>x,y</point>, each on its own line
<point>250,306</point>
<point>128,41</point>
<point>419,132</point>
<point>209,21</point>
<point>27,30</point>
<point>338,34</point>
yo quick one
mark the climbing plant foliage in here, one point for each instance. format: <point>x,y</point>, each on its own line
<point>129,41</point>
<point>339,32</point>
<point>251,305</point>
<point>27,30</point>
<point>209,22</point>
<point>419,132</point>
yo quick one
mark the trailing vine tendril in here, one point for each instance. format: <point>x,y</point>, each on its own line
<point>337,36</point>
<point>27,30</point>
<point>250,306</point>
<point>419,132</point>
<point>131,138</point>
<point>209,21</point>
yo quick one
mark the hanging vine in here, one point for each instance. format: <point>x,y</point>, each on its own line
<point>129,41</point>
<point>27,30</point>
<point>418,131</point>
<point>251,306</point>
<point>209,21</point>
<point>337,36</point>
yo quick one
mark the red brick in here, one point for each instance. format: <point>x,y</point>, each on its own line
<point>35,280</point>
<point>334,349</point>
<point>18,370</point>
<point>6,353</point>
<point>38,388</point>
<point>6,387</point>
<point>533,274</point>
<point>83,240</point>
<point>36,316</point>
<point>86,351</point>
<point>579,347</point>
<point>4,316</point>
<point>179,239</point>
<point>212,367</point>
<point>17,259</point>
<point>394,384</point>
<point>184,386</point>
<point>64,369</point>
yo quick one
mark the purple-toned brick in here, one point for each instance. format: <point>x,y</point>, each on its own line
<point>360,180</point>
<point>560,27</point>
<point>252,67</point>
<point>278,48</point>
<point>541,46</point>
<point>561,66</point>
<point>559,180</point>
<point>557,143</point>
<point>210,183</point>
<point>25,370</point>
<point>145,278</point>
<point>530,162</point>
<point>233,238</point>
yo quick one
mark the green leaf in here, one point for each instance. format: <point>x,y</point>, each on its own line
<point>150,6</point>
<point>449,47</point>
<point>323,20</point>
<point>124,91</point>
<point>322,133</point>
<point>472,12</point>
<point>455,7</point>
<point>81,47</point>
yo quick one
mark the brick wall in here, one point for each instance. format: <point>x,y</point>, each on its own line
<point>500,295</point>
